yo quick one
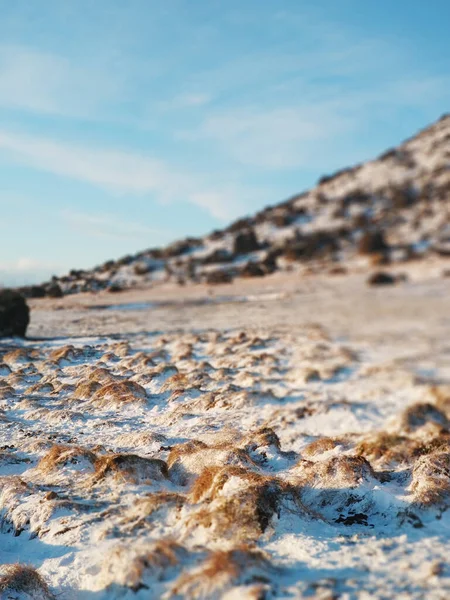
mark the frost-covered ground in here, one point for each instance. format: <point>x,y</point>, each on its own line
<point>285,439</point>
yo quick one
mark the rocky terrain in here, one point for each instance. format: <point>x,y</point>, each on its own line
<point>393,209</point>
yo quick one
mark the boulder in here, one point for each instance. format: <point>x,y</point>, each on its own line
<point>53,290</point>
<point>372,242</point>
<point>14,314</point>
<point>253,269</point>
<point>245,242</point>
<point>219,276</point>
<point>381,278</point>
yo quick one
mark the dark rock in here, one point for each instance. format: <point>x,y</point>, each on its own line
<point>53,290</point>
<point>114,288</point>
<point>181,247</point>
<point>314,245</point>
<point>381,278</point>
<point>270,261</point>
<point>221,255</point>
<point>14,314</point>
<point>372,242</point>
<point>219,276</point>
<point>253,269</point>
<point>32,291</point>
<point>142,268</point>
<point>240,224</point>
<point>245,242</point>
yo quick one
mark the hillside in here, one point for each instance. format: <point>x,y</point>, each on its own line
<point>392,209</point>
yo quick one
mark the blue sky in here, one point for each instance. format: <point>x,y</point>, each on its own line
<point>125,125</point>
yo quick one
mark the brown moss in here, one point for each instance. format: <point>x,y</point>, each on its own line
<point>129,468</point>
<point>22,579</point>
<point>120,392</point>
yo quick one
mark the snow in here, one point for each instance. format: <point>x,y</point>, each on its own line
<point>241,394</point>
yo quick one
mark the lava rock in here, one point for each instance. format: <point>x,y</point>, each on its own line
<point>14,314</point>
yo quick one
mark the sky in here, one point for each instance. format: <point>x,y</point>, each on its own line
<point>126,125</point>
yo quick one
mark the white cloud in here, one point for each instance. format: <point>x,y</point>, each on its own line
<point>27,270</point>
<point>42,82</point>
<point>310,132</point>
<point>109,225</point>
<point>119,171</point>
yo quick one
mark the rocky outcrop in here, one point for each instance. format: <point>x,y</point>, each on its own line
<point>14,314</point>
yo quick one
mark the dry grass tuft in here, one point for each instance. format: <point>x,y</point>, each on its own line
<point>185,449</point>
<point>176,382</point>
<point>40,388</point>
<point>19,356</point>
<point>337,472</point>
<point>388,448</point>
<point>320,446</point>
<point>441,395</point>
<point>101,375</point>
<point>65,353</point>
<point>61,456</point>
<point>22,579</point>
<point>236,503</point>
<point>129,468</point>
<point>148,511</point>
<point>421,414</point>
<point>132,566</point>
<point>119,392</point>
<point>86,389</point>
<point>431,479</point>
<point>6,390</point>
<point>224,569</point>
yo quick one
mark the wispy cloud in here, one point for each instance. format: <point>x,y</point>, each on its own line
<point>110,225</point>
<point>310,132</point>
<point>26,270</point>
<point>43,82</point>
<point>120,172</point>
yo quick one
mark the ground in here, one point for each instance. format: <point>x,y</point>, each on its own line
<point>280,438</point>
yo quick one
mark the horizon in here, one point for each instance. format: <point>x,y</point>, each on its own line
<point>128,127</point>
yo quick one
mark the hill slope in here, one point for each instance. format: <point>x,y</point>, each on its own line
<point>394,208</point>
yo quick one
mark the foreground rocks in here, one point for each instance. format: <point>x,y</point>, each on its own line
<point>14,314</point>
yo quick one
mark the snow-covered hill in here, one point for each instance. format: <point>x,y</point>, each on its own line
<point>391,209</point>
